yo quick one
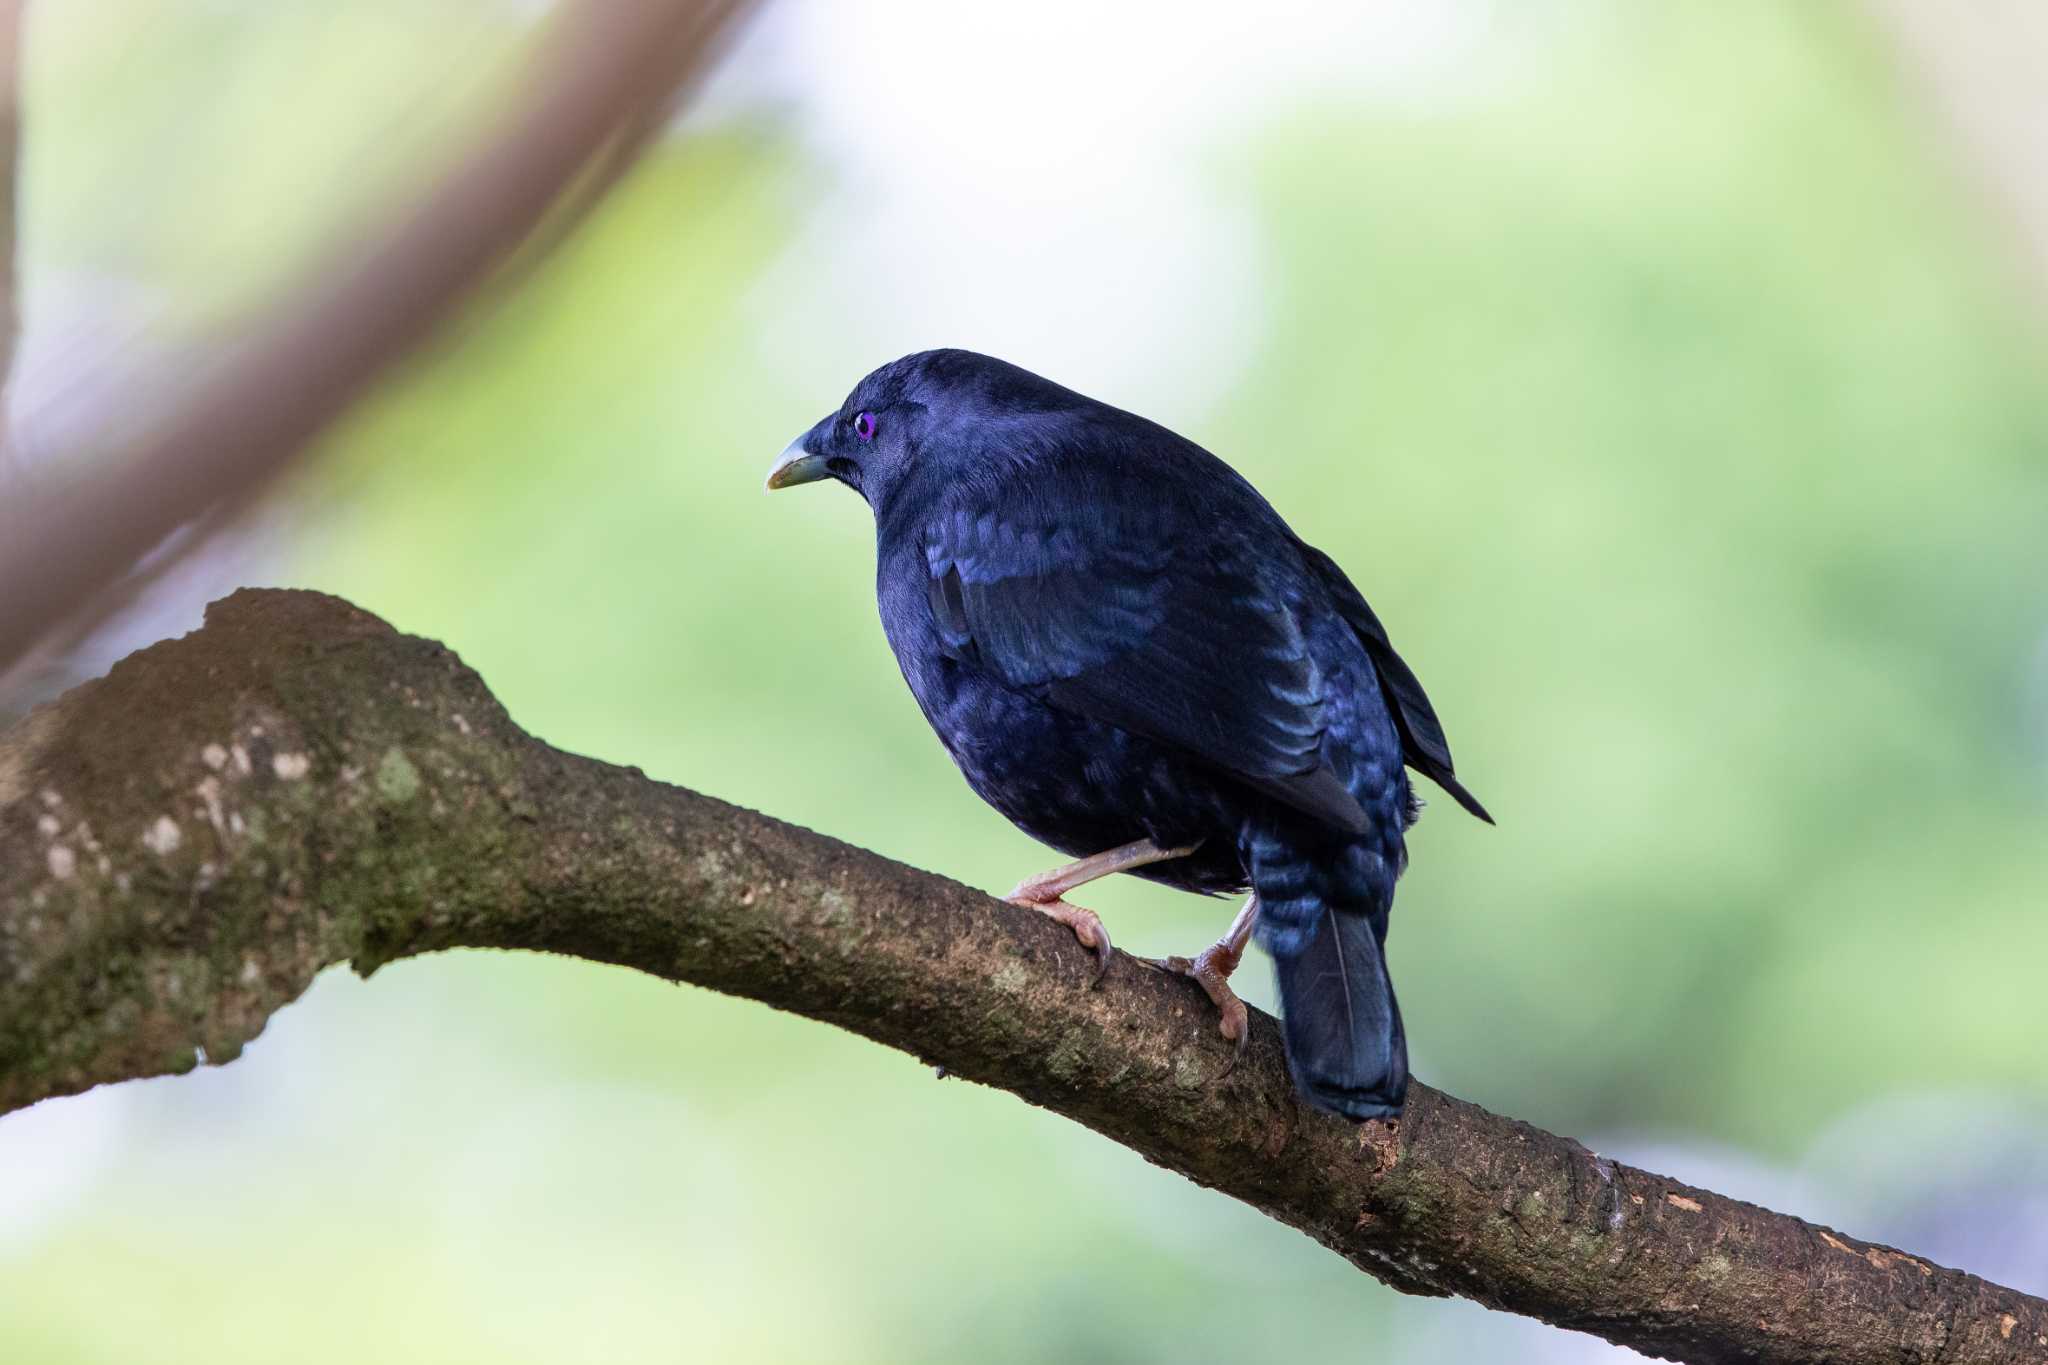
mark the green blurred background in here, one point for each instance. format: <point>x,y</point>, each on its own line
<point>1653,371</point>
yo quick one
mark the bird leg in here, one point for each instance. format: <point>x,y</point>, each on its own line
<point>1044,892</point>
<point>1211,969</point>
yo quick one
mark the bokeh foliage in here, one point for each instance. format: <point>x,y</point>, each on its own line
<point>1673,406</point>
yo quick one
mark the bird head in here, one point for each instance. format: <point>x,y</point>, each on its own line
<point>932,415</point>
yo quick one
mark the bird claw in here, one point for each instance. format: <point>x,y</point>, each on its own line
<point>1210,969</point>
<point>1086,924</point>
<point>1044,892</point>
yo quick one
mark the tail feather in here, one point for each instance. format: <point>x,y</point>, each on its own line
<point>1345,1044</point>
<point>1323,916</point>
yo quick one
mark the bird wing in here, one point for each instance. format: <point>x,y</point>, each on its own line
<point>1423,745</point>
<point>1125,610</point>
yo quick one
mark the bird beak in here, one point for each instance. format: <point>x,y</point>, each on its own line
<point>796,465</point>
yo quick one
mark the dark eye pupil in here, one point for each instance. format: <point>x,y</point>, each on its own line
<point>864,426</point>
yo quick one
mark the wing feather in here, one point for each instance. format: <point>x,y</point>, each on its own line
<point>1422,736</point>
<point>1113,608</point>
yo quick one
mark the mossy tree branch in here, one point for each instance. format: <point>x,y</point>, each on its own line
<point>187,841</point>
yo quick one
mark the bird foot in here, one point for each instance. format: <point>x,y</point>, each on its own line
<point>1044,892</point>
<point>1211,969</point>
<point>1086,924</point>
<point>1044,889</point>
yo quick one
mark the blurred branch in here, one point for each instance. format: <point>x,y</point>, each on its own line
<point>186,842</point>
<point>1980,68</point>
<point>10,194</point>
<point>607,64</point>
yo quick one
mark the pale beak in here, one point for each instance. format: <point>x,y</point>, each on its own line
<point>796,465</point>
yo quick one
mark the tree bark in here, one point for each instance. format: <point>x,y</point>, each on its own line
<point>187,841</point>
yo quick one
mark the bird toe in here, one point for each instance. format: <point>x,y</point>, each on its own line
<point>1087,927</point>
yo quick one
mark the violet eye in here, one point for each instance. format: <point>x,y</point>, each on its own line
<point>864,426</point>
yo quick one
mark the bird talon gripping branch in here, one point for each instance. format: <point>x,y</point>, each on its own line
<point>1087,926</point>
<point>1126,649</point>
<point>1211,969</point>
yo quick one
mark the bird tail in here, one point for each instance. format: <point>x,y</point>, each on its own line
<point>1345,1044</point>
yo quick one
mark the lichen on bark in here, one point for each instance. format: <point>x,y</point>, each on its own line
<point>187,841</point>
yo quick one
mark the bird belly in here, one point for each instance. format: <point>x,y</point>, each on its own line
<point>1082,786</point>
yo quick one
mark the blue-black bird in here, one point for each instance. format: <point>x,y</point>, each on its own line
<point>1130,655</point>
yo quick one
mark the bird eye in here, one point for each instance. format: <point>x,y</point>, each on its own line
<point>864,426</point>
